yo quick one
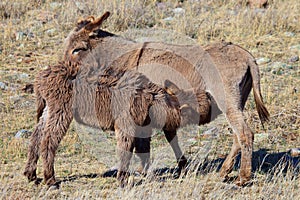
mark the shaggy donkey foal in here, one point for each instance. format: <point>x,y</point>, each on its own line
<point>109,98</point>
<point>54,89</point>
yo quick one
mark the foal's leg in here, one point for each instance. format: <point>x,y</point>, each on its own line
<point>34,148</point>
<point>173,140</point>
<point>125,145</point>
<point>58,121</point>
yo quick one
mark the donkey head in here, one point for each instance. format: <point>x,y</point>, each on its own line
<point>79,41</point>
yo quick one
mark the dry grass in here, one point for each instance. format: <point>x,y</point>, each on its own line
<point>31,37</point>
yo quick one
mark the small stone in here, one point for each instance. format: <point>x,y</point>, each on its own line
<point>51,32</point>
<point>161,6</point>
<point>19,35</point>
<point>289,34</point>
<point>23,76</point>
<point>293,58</point>
<point>3,86</point>
<point>55,5</point>
<point>79,5</point>
<point>179,11</point>
<point>168,19</point>
<point>192,141</point>
<point>261,61</point>
<point>259,11</point>
<point>15,99</point>
<point>295,47</point>
<point>295,152</point>
<point>22,134</point>
<point>213,132</point>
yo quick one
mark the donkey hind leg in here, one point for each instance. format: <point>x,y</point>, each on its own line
<point>56,126</point>
<point>125,145</point>
<point>230,159</point>
<point>173,140</point>
<point>245,139</point>
<point>33,150</point>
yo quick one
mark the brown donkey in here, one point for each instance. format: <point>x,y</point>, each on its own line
<point>63,94</point>
<point>223,70</point>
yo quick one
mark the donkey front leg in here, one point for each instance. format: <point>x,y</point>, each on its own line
<point>34,148</point>
<point>57,124</point>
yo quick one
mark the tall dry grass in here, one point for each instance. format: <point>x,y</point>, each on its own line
<point>31,38</point>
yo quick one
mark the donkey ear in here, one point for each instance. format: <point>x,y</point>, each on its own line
<point>83,22</point>
<point>171,87</point>
<point>96,23</point>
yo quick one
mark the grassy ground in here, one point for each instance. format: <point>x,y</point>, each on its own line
<point>31,37</point>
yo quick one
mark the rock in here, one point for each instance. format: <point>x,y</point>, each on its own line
<point>295,47</point>
<point>212,132</point>
<point>161,5</point>
<point>261,61</point>
<point>295,152</point>
<point>80,5</point>
<point>261,136</point>
<point>178,11</point>
<point>192,141</point>
<point>51,32</point>
<point>21,76</point>
<point>3,86</point>
<point>289,34</point>
<point>15,99</point>
<point>168,19</point>
<point>18,76</point>
<point>22,134</point>
<point>19,35</point>
<point>293,58</point>
<point>280,68</point>
<point>55,5</point>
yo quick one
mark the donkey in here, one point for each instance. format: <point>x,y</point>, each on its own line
<point>215,70</point>
<point>62,96</point>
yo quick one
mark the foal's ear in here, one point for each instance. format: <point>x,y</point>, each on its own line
<point>96,23</point>
<point>171,87</point>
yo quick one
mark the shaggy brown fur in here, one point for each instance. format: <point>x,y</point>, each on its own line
<point>223,70</point>
<point>95,104</point>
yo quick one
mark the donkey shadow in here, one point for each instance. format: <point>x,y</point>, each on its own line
<point>262,161</point>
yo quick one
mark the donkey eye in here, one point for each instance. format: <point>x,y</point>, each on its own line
<point>76,51</point>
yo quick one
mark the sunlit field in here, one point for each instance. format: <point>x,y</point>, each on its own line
<point>32,33</point>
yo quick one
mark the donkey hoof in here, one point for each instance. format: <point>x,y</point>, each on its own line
<point>31,175</point>
<point>125,180</point>
<point>243,182</point>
